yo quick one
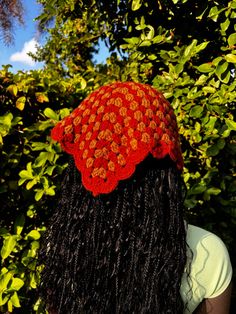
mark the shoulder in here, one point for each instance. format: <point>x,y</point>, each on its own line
<point>211,267</point>
<point>198,239</point>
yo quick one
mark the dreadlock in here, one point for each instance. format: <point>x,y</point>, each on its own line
<point>123,252</point>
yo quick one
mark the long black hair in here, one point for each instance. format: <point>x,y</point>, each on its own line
<point>123,252</point>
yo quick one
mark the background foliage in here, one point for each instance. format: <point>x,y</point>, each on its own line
<point>185,48</point>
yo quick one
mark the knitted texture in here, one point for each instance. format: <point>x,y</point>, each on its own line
<point>114,129</point>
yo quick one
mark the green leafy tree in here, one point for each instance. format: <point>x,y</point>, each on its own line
<point>185,48</point>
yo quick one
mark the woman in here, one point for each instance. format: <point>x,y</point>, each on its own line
<point>118,242</point>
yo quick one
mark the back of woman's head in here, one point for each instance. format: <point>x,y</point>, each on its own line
<point>116,241</point>
<point>123,252</point>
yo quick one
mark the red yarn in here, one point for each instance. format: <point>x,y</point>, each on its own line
<point>114,129</point>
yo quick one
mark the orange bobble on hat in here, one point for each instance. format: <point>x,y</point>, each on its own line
<point>114,129</point>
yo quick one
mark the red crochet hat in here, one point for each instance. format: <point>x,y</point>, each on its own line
<point>114,129</point>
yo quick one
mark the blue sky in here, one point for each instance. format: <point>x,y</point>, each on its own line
<point>25,40</point>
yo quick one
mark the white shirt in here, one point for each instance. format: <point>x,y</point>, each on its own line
<point>208,272</point>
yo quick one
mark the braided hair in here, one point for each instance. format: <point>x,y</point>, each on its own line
<point>122,252</point>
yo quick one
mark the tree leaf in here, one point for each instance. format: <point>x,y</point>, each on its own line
<point>50,191</point>
<point>41,97</point>
<point>3,300</point>
<point>24,174</point>
<point>189,49</point>
<point>5,279</point>
<point>136,4</point>
<point>16,284</point>
<point>8,246</point>
<point>196,111</point>
<point>209,89</point>
<point>232,39</point>
<point>213,191</point>
<point>151,33</point>
<point>226,77</point>
<point>197,189</point>
<point>83,83</point>
<point>205,67</point>
<point>145,43</point>
<point>158,39</point>
<point>10,306</point>
<point>31,183</point>
<point>33,234</point>
<point>201,46</point>
<point>39,195</point>
<point>201,80</point>
<point>20,103</point>
<point>33,281</point>
<point>51,114</point>
<point>224,26</point>
<point>212,150</point>
<point>220,69</point>
<point>15,300</point>
<point>220,143</point>
<point>213,14</point>
<point>13,89</point>
<point>230,58</point>
<point>132,40</point>
<point>19,224</point>
<point>231,124</point>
